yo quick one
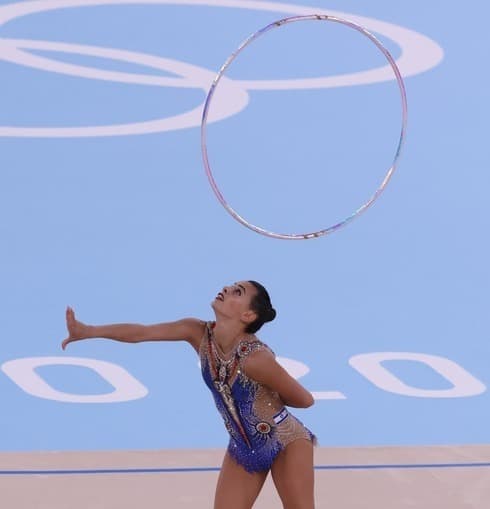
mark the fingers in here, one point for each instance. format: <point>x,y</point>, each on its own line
<point>70,321</point>
<point>70,314</point>
<point>65,342</point>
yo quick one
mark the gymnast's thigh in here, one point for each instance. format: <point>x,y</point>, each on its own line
<point>237,488</point>
<point>293,475</point>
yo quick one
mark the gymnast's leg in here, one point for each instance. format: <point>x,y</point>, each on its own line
<point>293,475</point>
<point>237,488</point>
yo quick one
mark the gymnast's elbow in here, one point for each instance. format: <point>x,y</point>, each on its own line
<point>309,400</point>
<point>305,401</point>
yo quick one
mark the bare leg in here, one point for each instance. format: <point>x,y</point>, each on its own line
<point>293,475</point>
<point>237,488</point>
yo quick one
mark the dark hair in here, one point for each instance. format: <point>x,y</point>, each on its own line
<point>261,304</point>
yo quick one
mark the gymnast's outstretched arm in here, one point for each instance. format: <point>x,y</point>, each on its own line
<point>186,329</point>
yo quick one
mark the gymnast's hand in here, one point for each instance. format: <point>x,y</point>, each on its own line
<point>76,330</point>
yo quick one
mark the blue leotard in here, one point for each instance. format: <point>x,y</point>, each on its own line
<point>259,424</point>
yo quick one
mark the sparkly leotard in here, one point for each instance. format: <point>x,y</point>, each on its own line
<point>260,426</point>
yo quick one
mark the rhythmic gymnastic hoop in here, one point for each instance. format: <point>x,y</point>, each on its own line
<point>209,98</point>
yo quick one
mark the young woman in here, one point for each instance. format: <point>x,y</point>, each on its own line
<point>250,389</point>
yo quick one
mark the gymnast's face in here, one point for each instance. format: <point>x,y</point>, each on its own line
<point>234,301</point>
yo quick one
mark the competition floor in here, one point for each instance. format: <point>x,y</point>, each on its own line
<point>105,206</point>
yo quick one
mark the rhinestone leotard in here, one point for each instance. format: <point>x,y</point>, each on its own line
<point>259,425</point>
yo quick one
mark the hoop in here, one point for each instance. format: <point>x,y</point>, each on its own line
<point>379,190</point>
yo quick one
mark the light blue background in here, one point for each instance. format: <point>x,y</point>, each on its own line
<point>126,229</point>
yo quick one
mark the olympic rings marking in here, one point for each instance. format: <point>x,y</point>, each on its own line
<point>237,98</point>
<point>418,54</point>
<point>221,74</point>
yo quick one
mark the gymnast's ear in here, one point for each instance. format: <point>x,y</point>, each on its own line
<point>249,316</point>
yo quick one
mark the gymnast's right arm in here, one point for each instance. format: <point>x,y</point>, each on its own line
<point>187,329</point>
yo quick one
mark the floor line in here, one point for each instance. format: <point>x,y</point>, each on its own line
<point>216,469</point>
